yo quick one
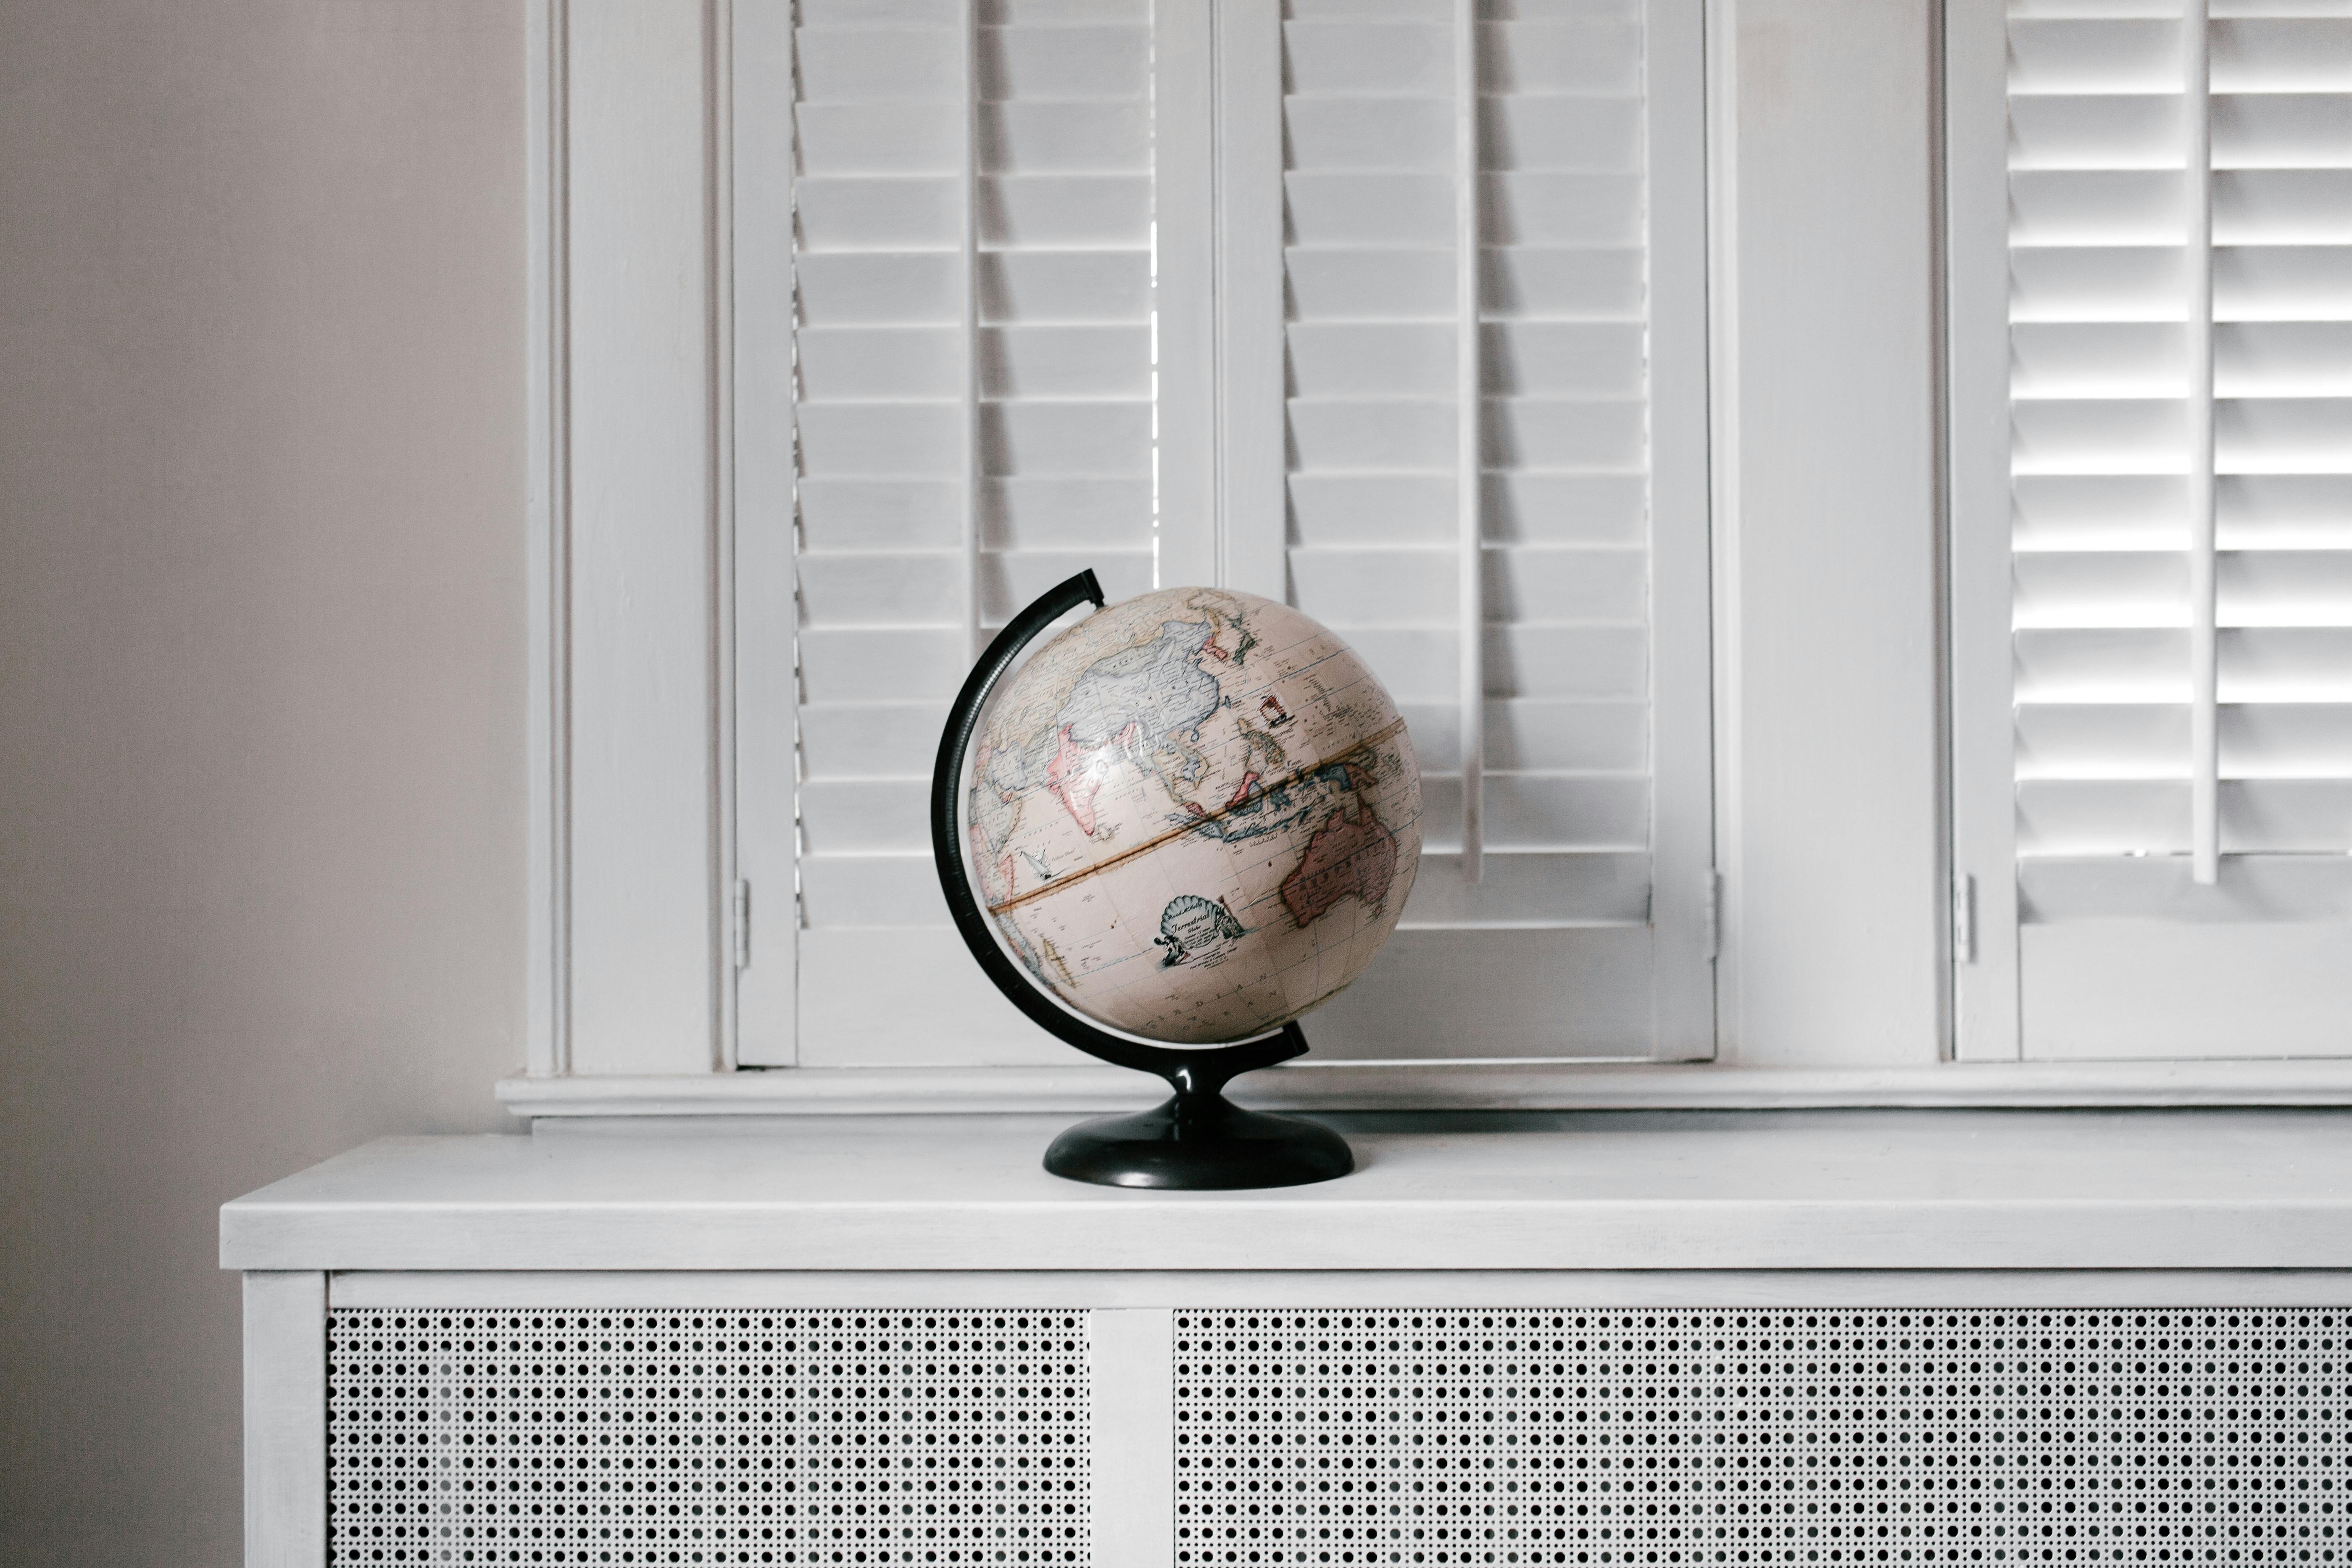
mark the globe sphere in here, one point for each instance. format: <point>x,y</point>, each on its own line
<point>1194,815</point>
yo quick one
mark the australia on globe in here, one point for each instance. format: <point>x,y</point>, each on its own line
<point>1194,815</point>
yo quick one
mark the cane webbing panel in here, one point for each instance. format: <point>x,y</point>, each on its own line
<point>870,1439</point>
<point>1782,1437</point>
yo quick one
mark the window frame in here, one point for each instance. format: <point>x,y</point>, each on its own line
<point>651,294</point>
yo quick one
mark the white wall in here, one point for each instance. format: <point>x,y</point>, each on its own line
<point>261,681</point>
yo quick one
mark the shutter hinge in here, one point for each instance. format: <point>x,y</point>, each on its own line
<point>1713,912</point>
<point>1964,920</point>
<point>741,920</point>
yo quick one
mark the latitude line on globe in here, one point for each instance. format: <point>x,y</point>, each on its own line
<point>1367,743</point>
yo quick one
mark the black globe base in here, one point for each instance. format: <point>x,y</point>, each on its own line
<point>1200,1142</point>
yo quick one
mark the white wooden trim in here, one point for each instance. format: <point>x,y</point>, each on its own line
<point>765,710</point>
<point>643,607</point>
<point>1184,289</point>
<point>1832,760</point>
<point>1252,444</point>
<point>1469,447</point>
<point>1728,881</point>
<point>1944,915</point>
<point>285,1420</point>
<point>1983,734</point>
<point>1834,949</point>
<point>720,256</point>
<point>1109,1294</point>
<point>1217,295</point>
<point>547,515</point>
<point>1682,715</point>
<point>1435,1085</point>
<point>1131,1382</point>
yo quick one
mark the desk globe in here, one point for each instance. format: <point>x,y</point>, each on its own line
<point>1186,821</point>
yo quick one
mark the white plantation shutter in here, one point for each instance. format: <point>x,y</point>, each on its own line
<point>1567,290</point>
<point>2179,672</point>
<point>973,274</point>
<point>975,291</point>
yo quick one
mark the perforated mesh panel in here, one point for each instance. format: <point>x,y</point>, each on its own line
<point>831,1437</point>
<point>1660,1437</point>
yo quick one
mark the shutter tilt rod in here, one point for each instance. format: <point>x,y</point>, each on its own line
<point>2204,635</point>
<point>974,454</point>
<point>1469,452</point>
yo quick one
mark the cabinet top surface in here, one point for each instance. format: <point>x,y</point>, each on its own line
<point>1706,1190</point>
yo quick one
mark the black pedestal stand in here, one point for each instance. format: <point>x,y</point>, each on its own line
<point>1199,1140</point>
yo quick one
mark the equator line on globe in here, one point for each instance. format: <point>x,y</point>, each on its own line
<point>1193,816</point>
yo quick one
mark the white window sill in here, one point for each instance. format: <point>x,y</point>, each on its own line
<point>557,1102</point>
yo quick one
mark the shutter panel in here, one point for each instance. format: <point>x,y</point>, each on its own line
<point>976,420</point>
<point>1558,928</point>
<point>973,271</point>
<point>2121,950</point>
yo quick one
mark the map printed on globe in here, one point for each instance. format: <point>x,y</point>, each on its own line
<point>1194,815</point>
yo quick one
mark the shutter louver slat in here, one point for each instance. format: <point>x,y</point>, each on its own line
<point>1056,131</point>
<point>2104,343</point>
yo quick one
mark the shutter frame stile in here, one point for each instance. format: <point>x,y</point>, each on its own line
<point>1217,112</point>
<point>766,620</point>
<point>2151,683</point>
<point>1685,887</point>
<point>1251,520</point>
<point>1184,186</point>
<point>1976,99</point>
<point>1469,448</point>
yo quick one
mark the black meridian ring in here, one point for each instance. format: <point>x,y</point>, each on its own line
<point>1213,1063</point>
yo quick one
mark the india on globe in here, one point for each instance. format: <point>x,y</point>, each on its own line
<point>1194,815</point>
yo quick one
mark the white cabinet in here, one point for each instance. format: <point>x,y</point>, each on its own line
<point>1785,1338</point>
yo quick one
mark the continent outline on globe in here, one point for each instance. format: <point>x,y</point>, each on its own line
<point>1194,815</point>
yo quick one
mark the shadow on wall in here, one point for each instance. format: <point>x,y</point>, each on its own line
<point>261,682</point>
